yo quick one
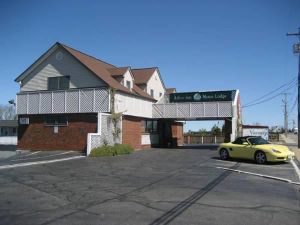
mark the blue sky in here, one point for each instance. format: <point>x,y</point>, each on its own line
<point>197,45</point>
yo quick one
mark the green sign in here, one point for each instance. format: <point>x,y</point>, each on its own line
<point>209,96</point>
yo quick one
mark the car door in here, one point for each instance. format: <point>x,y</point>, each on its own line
<point>235,150</point>
<point>245,151</point>
<point>249,152</point>
<point>238,148</point>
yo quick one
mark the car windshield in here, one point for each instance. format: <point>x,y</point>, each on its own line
<point>257,141</point>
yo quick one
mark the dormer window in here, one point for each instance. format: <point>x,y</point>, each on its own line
<point>128,84</point>
<point>152,93</point>
<point>59,83</point>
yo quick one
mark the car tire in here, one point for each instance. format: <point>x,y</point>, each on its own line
<point>224,154</point>
<point>260,157</point>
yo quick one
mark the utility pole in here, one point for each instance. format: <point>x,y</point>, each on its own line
<point>296,49</point>
<point>285,102</point>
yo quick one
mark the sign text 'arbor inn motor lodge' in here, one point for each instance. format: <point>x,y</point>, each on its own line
<point>210,96</point>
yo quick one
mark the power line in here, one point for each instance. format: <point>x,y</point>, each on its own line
<point>294,104</point>
<point>270,98</point>
<point>271,92</point>
<point>294,94</point>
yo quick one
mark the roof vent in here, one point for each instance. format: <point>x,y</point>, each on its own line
<point>59,56</point>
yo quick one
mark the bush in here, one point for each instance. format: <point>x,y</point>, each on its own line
<point>121,149</point>
<point>108,150</point>
<point>105,150</point>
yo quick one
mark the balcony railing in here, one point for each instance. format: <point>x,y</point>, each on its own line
<point>195,110</point>
<point>63,101</point>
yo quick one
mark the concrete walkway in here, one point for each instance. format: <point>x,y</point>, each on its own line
<point>292,143</point>
<point>7,151</point>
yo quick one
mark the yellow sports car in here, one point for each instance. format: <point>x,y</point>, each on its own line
<point>255,148</point>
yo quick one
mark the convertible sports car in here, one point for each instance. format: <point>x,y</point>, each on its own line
<point>255,148</point>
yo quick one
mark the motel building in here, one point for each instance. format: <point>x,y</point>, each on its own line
<point>69,100</point>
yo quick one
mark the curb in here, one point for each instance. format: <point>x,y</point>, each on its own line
<point>297,154</point>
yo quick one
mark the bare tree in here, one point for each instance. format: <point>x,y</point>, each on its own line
<point>7,112</point>
<point>215,130</point>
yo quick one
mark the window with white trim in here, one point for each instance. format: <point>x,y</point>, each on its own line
<point>149,126</point>
<point>59,83</point>
<point>128,84</point>
<point>152,92</point>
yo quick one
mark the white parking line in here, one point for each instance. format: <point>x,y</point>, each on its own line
<point>257,165</point>
<point>296,168</point>
<point>42,157</point>
<point>39,162</point>
<point>33,153</point>
<point>219,160</point>
<point>260,175</point>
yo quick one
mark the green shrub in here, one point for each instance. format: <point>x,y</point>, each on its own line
<point>105,150</point>
<point>121,149</point>
<point>108,150</point>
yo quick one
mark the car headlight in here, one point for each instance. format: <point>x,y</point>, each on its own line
<point>276,151</point>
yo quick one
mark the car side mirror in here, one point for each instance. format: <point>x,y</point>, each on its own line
<point>245,143</point>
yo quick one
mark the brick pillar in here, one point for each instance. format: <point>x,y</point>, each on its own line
<point>131,131</point>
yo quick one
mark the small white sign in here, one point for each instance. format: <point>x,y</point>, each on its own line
<point>24,120</point>
<point>55,129</point>
<point>263,132</point>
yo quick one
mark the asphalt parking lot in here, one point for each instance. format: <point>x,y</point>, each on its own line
<point>156,186</point>
<point>37,157</point>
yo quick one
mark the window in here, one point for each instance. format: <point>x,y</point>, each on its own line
<point>160,94</point>
<point>58,83</point>
<point>56,120</point>
<point>128,84</point>
<point>149,126</point>
<point>239,141</point>
<point>152,92</point>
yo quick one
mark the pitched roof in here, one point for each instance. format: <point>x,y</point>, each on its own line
<point>142,76</point>
<point>170,90</point>
<point>105,72</point>
<point>118,71</point>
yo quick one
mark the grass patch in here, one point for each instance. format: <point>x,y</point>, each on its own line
<point>108,150</point>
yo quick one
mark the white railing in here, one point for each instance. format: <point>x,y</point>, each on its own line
<point>63,101</point>
<point>193,110</point>
<point>104,135</point>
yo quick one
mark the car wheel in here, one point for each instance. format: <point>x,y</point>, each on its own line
<point>224,155</point>
<point>260,157</point>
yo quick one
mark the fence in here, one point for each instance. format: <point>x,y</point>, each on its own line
<point>68,101</point>
<point>105,133</point>
<point>274,137</point>
<point>193,110</point>
<point>199,139</point>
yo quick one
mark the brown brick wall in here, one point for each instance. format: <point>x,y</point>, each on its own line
<point>131,131</point>
<point>37,136</point>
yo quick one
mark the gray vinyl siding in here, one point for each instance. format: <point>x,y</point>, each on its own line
<point>80,77</point>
